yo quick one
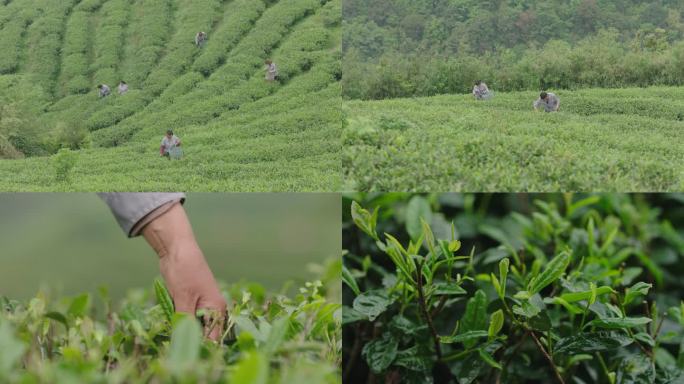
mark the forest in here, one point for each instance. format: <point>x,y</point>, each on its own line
<point>398,48</point>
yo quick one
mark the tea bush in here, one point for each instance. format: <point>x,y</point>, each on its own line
<point>513,288</point>
<point>602,139</point>
<point>174,85</point>
<point>269,337</point>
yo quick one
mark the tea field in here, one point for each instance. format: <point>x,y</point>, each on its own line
<point>239,132</point>
<point>270,337</point>
<point>628,139</point>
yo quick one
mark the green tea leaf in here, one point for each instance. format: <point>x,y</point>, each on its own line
<point>465,336</point>
<point>645,338</point>
<point>12,349</point>
<point>417,208</point>
<point>186,339</point>
<point>58,316</point>
<point>350,315</point>
<point>636,290</point>
<point>489,359</point>
<point>364,219</point>
<point>592,342</point>
<point>443,288</point>
<point>572,297</point>
<point>79,305</point>
<point>372,303</point>
<point>348,279</point>
<point>413,360</point>
<point>252,369</point>
<point>379,353</point>
<point>636,369</point>
<point>553,271</point>
<point>503,275</point>
<point>496,322</point>
<point>618,322</point>
<point>164,299</point>
<point>475,317</point>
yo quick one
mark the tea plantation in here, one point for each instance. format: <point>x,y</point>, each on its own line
<point>601,140</point>
<point>270,337</point>
<point>239,132</point>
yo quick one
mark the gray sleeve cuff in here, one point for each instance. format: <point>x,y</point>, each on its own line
<point>130,208</point>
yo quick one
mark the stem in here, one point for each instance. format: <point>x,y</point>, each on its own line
<point>603,365</point>
<point>553,365</point>
<point>354,354</point>
<point>426,313</point>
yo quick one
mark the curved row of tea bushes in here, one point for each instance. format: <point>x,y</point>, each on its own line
<point>192,16</point>
<point>11,38</point>
<point>147,34</point>
<point>109,41</point>
<point>238,20</point>
<point>75,71</point>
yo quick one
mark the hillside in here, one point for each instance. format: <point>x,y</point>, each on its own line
<point>397,48</point>
<point>601,140</point>
<point>239,132</point>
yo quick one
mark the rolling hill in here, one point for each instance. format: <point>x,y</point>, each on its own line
<point>629,139</point>
<point>239,132</point>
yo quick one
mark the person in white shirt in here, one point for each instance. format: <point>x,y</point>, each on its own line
<point>123,87</point>
<point>481,92</point>
<point>168,143</point>
<point>200,39</point>
<point>271,70</point>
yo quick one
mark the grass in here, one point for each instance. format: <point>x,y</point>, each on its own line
<point>601,140</point>
<point>239,132</point>
<point>269,337</point>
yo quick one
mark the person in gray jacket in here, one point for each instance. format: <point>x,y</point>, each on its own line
<point>160,218</point>
<point>548,101</point>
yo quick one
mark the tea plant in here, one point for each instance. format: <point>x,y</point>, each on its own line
<point>514,289</point>
<point>269,338</point>
<point>602,139</point>
<point>235,126</point>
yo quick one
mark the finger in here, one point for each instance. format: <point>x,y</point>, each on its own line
<point>186,304</point>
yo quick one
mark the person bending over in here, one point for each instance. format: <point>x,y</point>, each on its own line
<point>481,92</point>
<point>103,90</point>
<point>548,101</point>
<point>161,219</point>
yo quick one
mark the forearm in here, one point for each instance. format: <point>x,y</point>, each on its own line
<point>170,231</point>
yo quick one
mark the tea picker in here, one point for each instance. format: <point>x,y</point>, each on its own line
<point>162,221</point>
<point>103,90</point>
<point>200,39</point>
<point>548,101</point>
<point>481,91</point>
<point>170,146</point>
<point>271,70</point>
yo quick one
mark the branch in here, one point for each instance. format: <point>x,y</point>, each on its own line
<point>553,365</point>
<point>426,314</point>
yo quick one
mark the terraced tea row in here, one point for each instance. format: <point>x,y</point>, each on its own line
<point>617,139</point>
<point>248,133</point>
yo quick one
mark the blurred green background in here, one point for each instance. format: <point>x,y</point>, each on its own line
<point>70,243</point>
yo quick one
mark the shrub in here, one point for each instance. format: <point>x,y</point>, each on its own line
<point>513,288</point>
<point>269,336</point>
<point>63,162</point>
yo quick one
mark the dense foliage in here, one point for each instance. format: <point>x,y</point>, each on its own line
<point>270,338</point>
<point>513,288</point>
<point>239,132</point>
<point>602,139</point>
<point>397,48</point>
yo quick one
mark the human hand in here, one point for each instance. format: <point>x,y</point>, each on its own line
<point>187,274</point>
